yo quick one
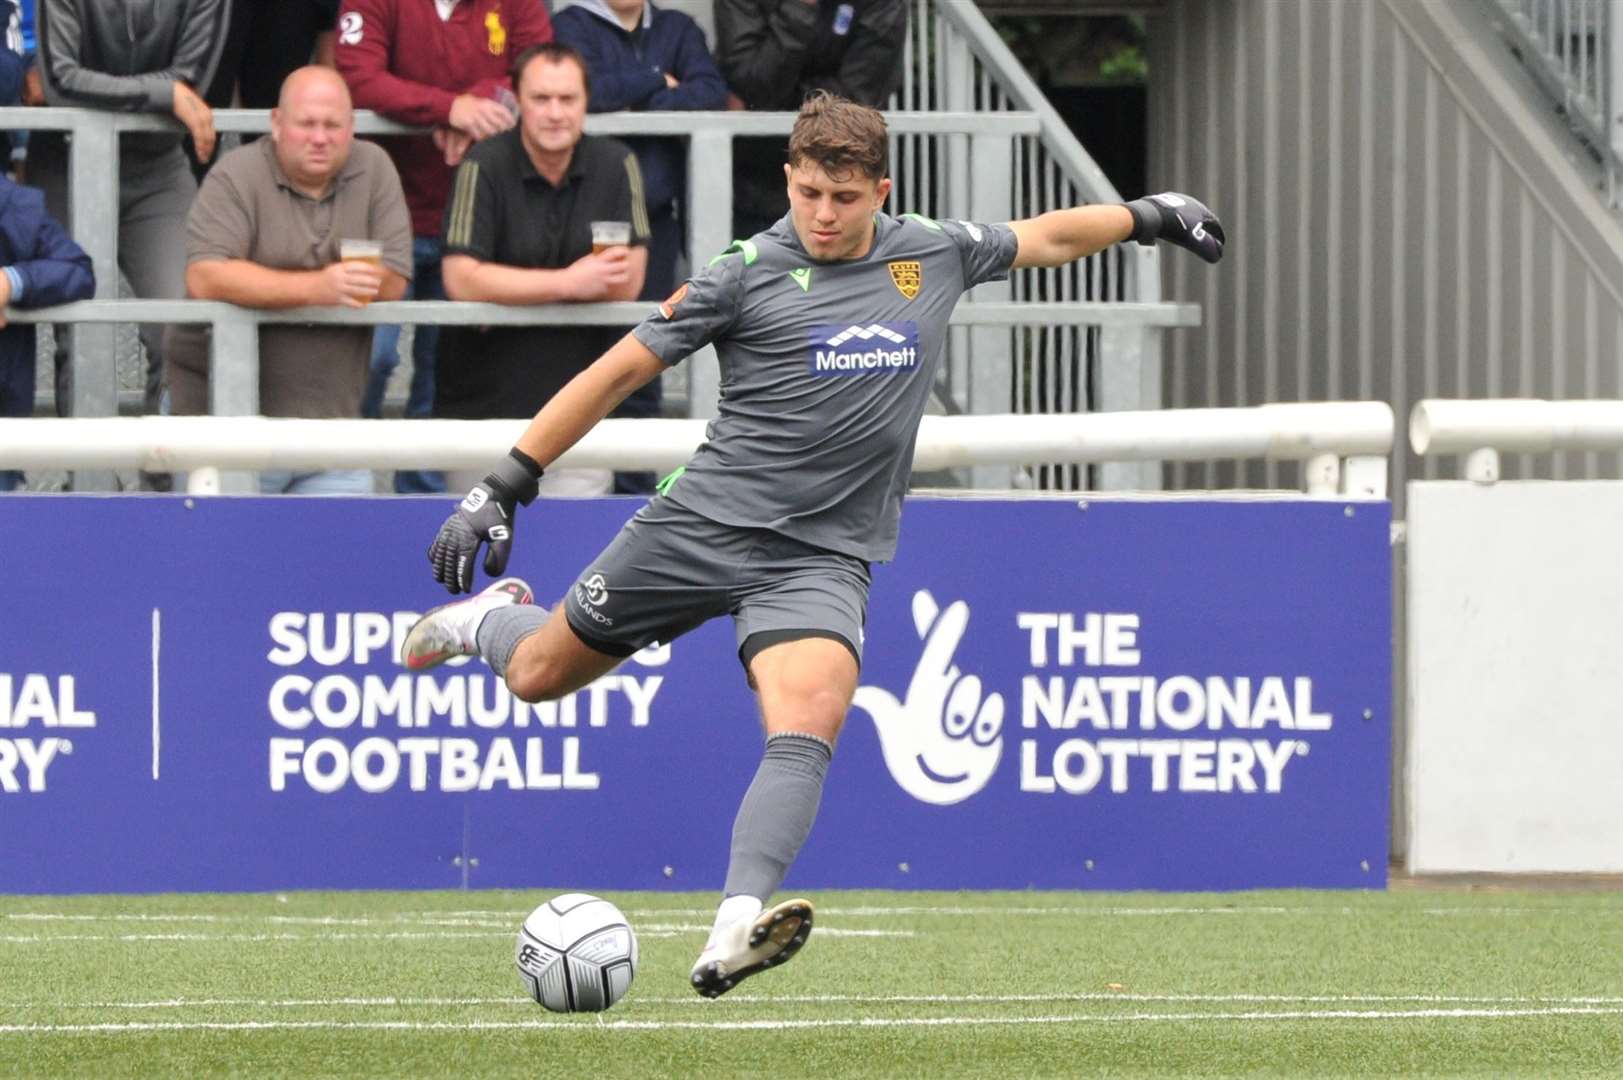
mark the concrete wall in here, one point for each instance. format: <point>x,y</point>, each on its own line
<point>1514,746</point>
<point>1405,218</point>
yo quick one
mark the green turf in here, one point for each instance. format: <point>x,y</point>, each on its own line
<point>1445,983</point>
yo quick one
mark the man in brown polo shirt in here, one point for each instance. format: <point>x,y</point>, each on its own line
<point>265,232</point>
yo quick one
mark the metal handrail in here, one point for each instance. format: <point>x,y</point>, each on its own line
<point>1574,50</point>
<point>1345,444</point>
<point>1480,430</point>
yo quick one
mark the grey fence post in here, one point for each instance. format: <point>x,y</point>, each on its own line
<point>991,371</point>
<point>93,207</point>
<point>1130,370</point>
<point>710,229</point>
<point>1614,91</point>
<point>234,381</point>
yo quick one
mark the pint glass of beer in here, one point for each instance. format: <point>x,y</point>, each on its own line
<point>606,234</point>
<point>367,251</point>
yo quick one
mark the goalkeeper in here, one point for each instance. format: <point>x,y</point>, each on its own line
<point>829,329</point>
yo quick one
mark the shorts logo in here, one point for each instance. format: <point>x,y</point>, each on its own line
<point>597,590</point>
<point>908,276</point>
<point>876,348</point>
<point>668,308</point>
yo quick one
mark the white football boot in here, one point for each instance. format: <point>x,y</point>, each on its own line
<point>736,952</point>
<point>449,630</point>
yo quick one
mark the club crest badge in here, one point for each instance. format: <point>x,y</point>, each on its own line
<point>908,277</point>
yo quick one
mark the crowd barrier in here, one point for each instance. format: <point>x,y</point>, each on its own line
<point>1512,603</point>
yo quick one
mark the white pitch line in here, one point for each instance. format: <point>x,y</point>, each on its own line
<point>786,1025</point>
<point>394,935</point>
<point>736,1000</point>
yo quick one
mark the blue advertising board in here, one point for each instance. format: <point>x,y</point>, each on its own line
<point>1112,694</point>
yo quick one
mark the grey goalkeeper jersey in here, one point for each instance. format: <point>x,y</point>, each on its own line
<point>826,368</point>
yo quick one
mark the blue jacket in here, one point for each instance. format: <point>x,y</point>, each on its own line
<point>628,72</point>
<point>44,264</point>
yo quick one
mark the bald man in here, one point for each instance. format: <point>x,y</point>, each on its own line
<point>266,231</point>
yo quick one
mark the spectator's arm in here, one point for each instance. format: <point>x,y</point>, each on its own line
<point>468,278</point>
<point>761,47</point>
<point>699,84</point>
<point>389,221</point>
<point>55,270</point>
<point>871,70</point>
<point>362,55</point>
<point>61,38</point>
<point>239,281</point>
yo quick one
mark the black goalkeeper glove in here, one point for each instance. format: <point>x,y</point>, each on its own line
<point>1178,219</point>
<point>484,517</point>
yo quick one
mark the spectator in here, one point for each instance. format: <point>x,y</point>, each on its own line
<point>519,231</point>
<point>439,63</point>
<point>774,53</point>
<point>266,42</point>
<point>109,54</point>
<point>266,232</point>
<point>13,67</point>
<point>641,57</point>
<point>42,265</point>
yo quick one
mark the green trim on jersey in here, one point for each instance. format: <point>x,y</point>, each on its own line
<point>669,481</point>
<point>747,247</point>
<point>922,220</point>
<point>802,277</point>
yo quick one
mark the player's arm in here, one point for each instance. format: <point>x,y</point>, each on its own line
<point>486,515</point>
<point>1062,236</point>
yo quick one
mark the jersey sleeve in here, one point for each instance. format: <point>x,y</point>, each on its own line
<point>987,251</point>
<point>702,309</point>
<point>470,222</point>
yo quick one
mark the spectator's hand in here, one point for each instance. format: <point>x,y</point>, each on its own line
<point>596,276</point>
<point>5,298</point>
<point>479,117</point>
<point>671,82</point>
<point>33,86</point>
<point>453,144</point>
<point>194,112</point>
<point>1178,219</point>
<point>348,284</point>
<point>735,103</point>
<point>484,517</point>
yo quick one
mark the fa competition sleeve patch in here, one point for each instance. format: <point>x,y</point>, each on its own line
<point>701,310</point>
<point>986,250</point>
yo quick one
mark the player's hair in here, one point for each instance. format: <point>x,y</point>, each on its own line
<point>553,52</point>
<point>842,137</point>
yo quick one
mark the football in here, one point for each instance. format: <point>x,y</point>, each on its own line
<point>576,953</point>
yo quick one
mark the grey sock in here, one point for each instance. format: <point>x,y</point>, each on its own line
<point>502,630</point>
<point>777,813</point>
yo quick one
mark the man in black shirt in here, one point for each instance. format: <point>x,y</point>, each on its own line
<point>518,230</point>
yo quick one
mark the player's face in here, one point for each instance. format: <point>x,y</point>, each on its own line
<point>552,105</point>
<point>833,218</point>
<point>313,129</point>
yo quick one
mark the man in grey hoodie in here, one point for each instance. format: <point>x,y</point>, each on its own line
<point>133,56</point>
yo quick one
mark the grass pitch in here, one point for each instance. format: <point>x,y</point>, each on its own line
<point>1456,983</point>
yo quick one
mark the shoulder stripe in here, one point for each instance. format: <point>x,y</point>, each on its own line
<point>922,220</point>
<point>460,234</point>
<point>639,203</point>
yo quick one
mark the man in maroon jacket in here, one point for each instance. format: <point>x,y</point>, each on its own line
<point>440,64</point>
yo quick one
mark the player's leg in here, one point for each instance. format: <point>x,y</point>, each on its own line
<point>800,640</point>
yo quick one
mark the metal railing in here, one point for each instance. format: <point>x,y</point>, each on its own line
<point>1344,445</point>
<point>1480,430</point>
<point>954,60</point>
<point>1574,50</point>
<point>972,138</point>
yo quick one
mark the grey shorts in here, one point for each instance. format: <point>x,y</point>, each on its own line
<point>671,569</point>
